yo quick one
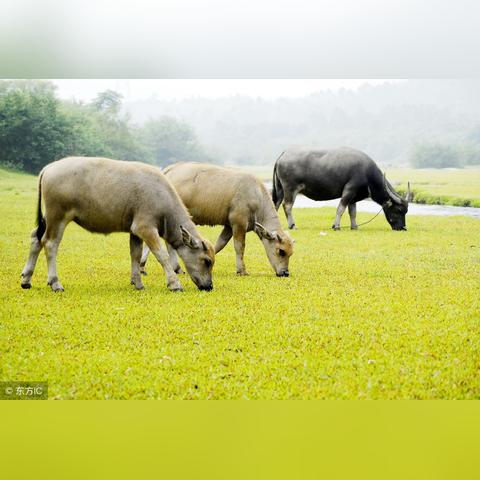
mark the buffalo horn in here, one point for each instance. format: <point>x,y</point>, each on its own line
<point>393,195</point>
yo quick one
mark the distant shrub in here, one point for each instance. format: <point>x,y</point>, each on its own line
<point>425,198</point>
<point>8,165</point>
<point>436,155</point>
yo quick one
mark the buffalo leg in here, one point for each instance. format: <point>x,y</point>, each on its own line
<point>341,208</point>
<point>35,249</point>
<point>136,256</point>
<point>224,238</point>
<point>144,259</point>
<point>174,259</point>
<point>239,244</point>
<point>288,202</point>
<point>151,237</point>
<point>53,237</point>
<point>352,211</point>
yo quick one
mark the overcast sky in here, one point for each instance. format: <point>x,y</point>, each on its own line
<point>184,88</point>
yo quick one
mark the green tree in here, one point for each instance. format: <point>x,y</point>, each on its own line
<point>170,140</point>
<point>32,127</point>
<point>108,101</point>
<point>114,129</point>
<point>84,131</point>
<point>37,128</point>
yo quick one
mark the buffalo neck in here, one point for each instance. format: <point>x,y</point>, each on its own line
<point>170,228</point>
<point>267,215</point>
<point>378,192</point>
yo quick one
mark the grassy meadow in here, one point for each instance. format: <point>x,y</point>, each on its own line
<point>457,187</point>
<point>367,314</point>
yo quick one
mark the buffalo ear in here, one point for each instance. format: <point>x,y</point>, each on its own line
<point>188,240</point>
<point>262,232</point>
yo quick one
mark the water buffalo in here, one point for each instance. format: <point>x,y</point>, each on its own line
<point>105,196</point>
<point>240,202</point>
<point>341,173</point>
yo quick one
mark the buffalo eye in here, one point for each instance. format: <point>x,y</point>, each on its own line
<point>208,262</point>
<point>281,252</point>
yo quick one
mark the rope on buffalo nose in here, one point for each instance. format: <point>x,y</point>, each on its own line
<point>373,218</point>
<point>364,223</point>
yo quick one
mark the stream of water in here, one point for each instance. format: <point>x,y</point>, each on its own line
<point>372,207</point>
<point>413,208</point>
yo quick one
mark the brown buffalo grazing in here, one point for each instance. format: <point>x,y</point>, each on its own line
<point>222,196</point>
<point>105,196</point>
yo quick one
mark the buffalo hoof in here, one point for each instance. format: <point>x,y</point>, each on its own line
<point>335,227</point>
<point>26,286</point>
<point>56,286</point>
<point>177,289</point>
<point>179,271</point>
<point>143,272</point>
<point>354,228</point>
<point>242,274</point>
<point>293,227</point>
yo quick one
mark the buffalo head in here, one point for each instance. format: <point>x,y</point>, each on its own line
<point>279,248</point>
<point>396,207</point>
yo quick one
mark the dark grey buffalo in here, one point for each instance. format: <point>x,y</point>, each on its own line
<point>342,173</point>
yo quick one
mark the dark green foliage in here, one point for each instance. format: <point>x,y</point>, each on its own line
<point>84,135</point>
<point>32,127</point>
<point>100,133</point>
<point>426,198</point>
<point>37,128</point>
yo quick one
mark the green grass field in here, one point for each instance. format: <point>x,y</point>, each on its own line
<point>368,314</point>
<point>459,187</point>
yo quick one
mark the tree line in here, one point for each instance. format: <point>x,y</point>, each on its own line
<point>388,121</point>
<point>419,123</point>
<point>36,128</point>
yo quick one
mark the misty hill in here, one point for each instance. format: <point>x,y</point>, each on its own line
<point>386,121</point>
